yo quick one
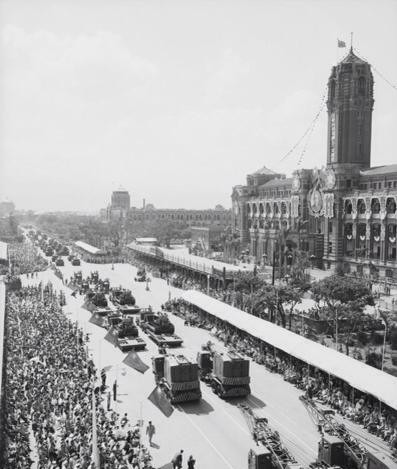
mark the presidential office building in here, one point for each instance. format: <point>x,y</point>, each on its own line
<point>343,215</point>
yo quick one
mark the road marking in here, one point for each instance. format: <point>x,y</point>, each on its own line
<point>205,437</point>
<point>213,401</point>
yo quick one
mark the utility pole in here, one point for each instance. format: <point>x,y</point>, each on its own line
<point>273,265</point>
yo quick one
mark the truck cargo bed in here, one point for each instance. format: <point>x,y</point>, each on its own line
<point>162,339</point>
<point>128,309</point>
<point>102,311</point>
<point>135,343</point>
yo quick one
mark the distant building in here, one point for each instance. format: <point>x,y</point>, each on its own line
<point>6,208</point>
<point>120,204</point>
<point>209,217</point>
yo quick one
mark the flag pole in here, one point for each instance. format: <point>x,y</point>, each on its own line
<point>95,453</point>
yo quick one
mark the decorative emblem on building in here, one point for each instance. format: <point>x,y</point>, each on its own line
<point>316,195</point>
<point>316,201</point>
<point>320,203</point>
<point>330,179</point>
<point>295,206</point>
<point>329,205</point>
<point>296,183</point>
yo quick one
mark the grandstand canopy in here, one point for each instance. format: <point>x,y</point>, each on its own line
<point>357,374</point>
<point>88,248</point>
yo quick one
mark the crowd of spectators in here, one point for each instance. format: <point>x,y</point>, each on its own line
<point>24,258</point>
<point>358,407</point>
<point>52,394</point>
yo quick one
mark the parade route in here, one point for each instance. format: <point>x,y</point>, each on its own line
<point>214,430</point>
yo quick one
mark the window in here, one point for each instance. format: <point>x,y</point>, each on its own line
<point>389,184</point>
<point>361,86</point>
<point>348,183</point>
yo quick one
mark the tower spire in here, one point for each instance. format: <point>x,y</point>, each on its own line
<point>351,42</point>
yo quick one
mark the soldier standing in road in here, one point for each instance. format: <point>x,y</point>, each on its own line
<point>103,377</point>
<point>177,460</point>
<point>150,431</point>
<point>191,462</point>
<point>115,391</point>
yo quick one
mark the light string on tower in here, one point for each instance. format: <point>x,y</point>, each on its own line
<point>377,71</point>
<point>308,132</point>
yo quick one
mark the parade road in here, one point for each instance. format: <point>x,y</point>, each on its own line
<point>214,430</point>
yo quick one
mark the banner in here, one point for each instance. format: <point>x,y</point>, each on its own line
<point>111,338</point>
<point>97,320</point>
<point>158,398</point>
<point>132,360</point>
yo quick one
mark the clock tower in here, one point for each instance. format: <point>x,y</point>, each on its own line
<point>350,103</point>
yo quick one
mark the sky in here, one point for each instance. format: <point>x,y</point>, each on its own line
<point>175,101</point>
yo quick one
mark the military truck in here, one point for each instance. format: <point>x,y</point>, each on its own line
<point>124,300</point>
<point>127,334</point>
<point>177,377</point>
<point>141,276</point>
<point>159,328</point>
<point>76,261</point>
<point>227,373</point>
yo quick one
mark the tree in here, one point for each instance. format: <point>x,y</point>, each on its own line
<point>345,300</point>
<point>279,299</point>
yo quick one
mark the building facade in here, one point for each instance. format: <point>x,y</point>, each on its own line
<point>344,214</point>
<point>210,217</point>
<point>120,204</point>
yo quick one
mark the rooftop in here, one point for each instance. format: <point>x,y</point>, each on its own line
<point>277,182</point>
<point>265,171</point>
<point>377,170</point>
<point>351,57</point>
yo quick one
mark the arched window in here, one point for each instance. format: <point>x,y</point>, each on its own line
<point>375,206</point>
<point>361,86</point>
<point>348,207</point>
<point>332,89</point>
<point>391,205</point>
<point>361,206</point>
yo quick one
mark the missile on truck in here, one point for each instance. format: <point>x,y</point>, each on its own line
<point>227,373</point>
<point>177,377</point>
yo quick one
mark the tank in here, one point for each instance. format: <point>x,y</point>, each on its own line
<point>127,328</point>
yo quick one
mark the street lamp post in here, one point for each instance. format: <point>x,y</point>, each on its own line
<point>384,344</point>
<point>273,266</point>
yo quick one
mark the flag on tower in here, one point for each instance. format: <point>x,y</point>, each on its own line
<point>341,43</point>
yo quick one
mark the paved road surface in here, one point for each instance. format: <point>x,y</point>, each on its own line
<point>214,431</point>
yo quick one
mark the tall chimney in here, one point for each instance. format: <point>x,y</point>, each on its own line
<point>144,204</point>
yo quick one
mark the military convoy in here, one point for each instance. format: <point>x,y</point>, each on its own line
<point>226,373</point>
<point>159,328</point>
<point>177,377</point>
